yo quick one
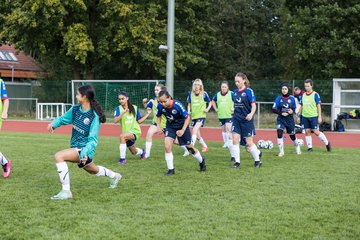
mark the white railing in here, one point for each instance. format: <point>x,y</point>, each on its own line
<point>49,111</point>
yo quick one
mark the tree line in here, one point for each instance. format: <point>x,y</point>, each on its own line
<point>214,39</point>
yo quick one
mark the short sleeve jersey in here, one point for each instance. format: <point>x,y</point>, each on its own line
<point>242,103</point>
<point>3,93</point>
<point>309,104</point>
<point>175,114</point>
<point>225,104</point>
<point>198,104</point>
<point>153,103</point>
<point>129,122</point>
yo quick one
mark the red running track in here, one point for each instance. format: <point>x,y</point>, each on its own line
<point>342,140</point>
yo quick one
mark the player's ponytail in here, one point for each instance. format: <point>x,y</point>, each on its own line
<point>130,105</point>
<point>89,92</point>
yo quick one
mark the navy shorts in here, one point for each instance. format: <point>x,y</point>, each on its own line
<point>286,123</point>
<point>184,140</point>
<point>129,143</point>
<point>200,120</point>
<point>80,164</point>
<point>310,123</point>
<point>225,120</point>
<point>244,129</point>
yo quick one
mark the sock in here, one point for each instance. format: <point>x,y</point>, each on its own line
<point>198,156</point>
<point>254,152</point>
<point>185,149</point>
<point>139,151</point>
<point>122,148</point>
<point>169,157</point>
<point>193,139</point>
<point>202,142</point>
<point>231,149</point>
<point>224,135</point>
<point>148,149</point>
<point>236,152</point>
<point>308,140</point>
<point>3,160</point>
<point>280,142</point>
<point>63,172</point>
<point>323,138</point>
<point>104,172</point>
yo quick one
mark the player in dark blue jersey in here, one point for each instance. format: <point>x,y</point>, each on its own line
<point>85,119</point>
<point>177,126</point>
<point>243,120</point>
<point>285,106</point>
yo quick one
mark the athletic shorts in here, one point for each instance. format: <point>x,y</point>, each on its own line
<point>310,123</point>
<point>80,164</point>
<point>129,143</point>
<point>184,140</point>
<point>244,129</point>
<point>286,123</point>
<point>224,121</point>
<point>200,120</point>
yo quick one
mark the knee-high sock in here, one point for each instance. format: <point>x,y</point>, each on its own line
<point>224,135</point>
<point>139,151</point>
<point>202,142</point>
<point>185,149</point>
<point>105,172</point>
<point>193,139</point>
<point>254,152</point>
<point>323,138</point>
<point>198,156</point>
<point>169,157</point>
<point>231,149</point>
<point>308,140</point>
<point>148,149</point>
<point>63,172</point>
<point>280,142</point>
<point>236,152</point>
<point>122,149</point>
<point>3,159</point>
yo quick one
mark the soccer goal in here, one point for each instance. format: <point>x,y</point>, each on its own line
<point>107,91</point>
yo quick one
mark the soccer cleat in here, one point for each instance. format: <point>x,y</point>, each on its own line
<point>115,180</point>
<point>62,195</point>
<point>236,165</point>
<point>143,155</point>
<point>232,159</point>
<point>122,161</point>
<point>310,150</point>
<point>170,172</point>
<point>257,164</point>
<point>7,168</point>
<point>204,149</point>
<point>281,154</point>
<point>202,165</point>
<point>328,147</point>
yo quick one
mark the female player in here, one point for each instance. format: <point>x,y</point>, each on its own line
<point>152,105</point>
<point>85,118</point>
<point>177,126</point>
<point>223,104</point>
<point>285,106</point>
<point>197,100</point>
<point>4,106</point>
<point>243,120</point>
<point>129,117</point>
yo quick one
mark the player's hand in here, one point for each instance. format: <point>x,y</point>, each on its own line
<point>284,114</point>
<point>319,119</point>
<point>126,110</point>
<point>180,132</point>
<point>298,121</point>
<point>4,115</point>
<point>148,110</point>
<point>290,111</point>
<point>206,110</point>
<point>249,117</point>
<point>145,100</point>
<point>50,128</point>
<point>84,159</point>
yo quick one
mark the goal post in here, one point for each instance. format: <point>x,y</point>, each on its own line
<point>107,91</point>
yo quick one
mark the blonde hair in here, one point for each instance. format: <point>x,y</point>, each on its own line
<point>198,80</point>
<point>244,77</point>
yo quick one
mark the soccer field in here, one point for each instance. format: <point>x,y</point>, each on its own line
<point>309,196</point>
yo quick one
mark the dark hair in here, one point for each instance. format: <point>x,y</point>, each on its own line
<point>243,76</point>
<point>309,81</point>
<point>89,92</point>
<point>130,106</point>
<point>225,82</point>
<point>164,93</point>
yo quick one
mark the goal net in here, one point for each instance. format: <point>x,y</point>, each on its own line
<point>107,91</point>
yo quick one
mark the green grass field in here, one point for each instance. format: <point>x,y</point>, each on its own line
<point>311,196</point>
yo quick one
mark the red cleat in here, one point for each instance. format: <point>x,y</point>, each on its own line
<point>7,168</point>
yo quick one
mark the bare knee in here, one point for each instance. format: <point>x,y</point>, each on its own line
<point>58,157</point>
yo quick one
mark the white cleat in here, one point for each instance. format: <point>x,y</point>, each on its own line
<point>281,154</point>
<point>114,181</point>
<point>62,195</point>
<point>186,153</point>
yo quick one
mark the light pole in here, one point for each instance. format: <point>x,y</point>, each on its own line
<point>12,72</point>
<point>170,48</point>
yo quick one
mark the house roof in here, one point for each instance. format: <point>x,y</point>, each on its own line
<point>23,65</point>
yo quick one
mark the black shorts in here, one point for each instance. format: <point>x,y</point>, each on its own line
<point>129,143</point>
<point>81,164</point>
<point>184,140</point>
<point>200,120</point>
<point>223,121</point>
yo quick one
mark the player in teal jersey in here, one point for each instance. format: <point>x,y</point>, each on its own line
<point>129,117</point>
<point>85,118</point>
<point>152,105</point>
<point>223,104</point>
<point>310,111</point>
<point>197,100</point>
<point>4,106</point>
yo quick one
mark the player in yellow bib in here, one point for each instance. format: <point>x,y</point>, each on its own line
<point>129,117</point>
<point>197,101</point>
<point>4,106</point>
<point>310,111</point>
<point>152,105</point>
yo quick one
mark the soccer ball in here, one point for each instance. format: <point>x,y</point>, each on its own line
<point>260,142</point>
<point>300,142</point>
<point>270,144</point>
<point>265,144</point>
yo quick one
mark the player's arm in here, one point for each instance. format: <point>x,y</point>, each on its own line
<point>142,119</point>
<point>4,114</point>
<point>252,100</point>
<point>318,105</point>
<point>92,138</point>
<point>275,107</point>
<point>62,120</point>
<point>118,115</point>
<point>213,102</point>
<point>208,102</point>
<point>180,132</point>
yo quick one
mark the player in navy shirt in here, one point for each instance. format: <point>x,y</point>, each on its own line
<point>243,120</point>
<point>177,126</point>
<point>285,106</point>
